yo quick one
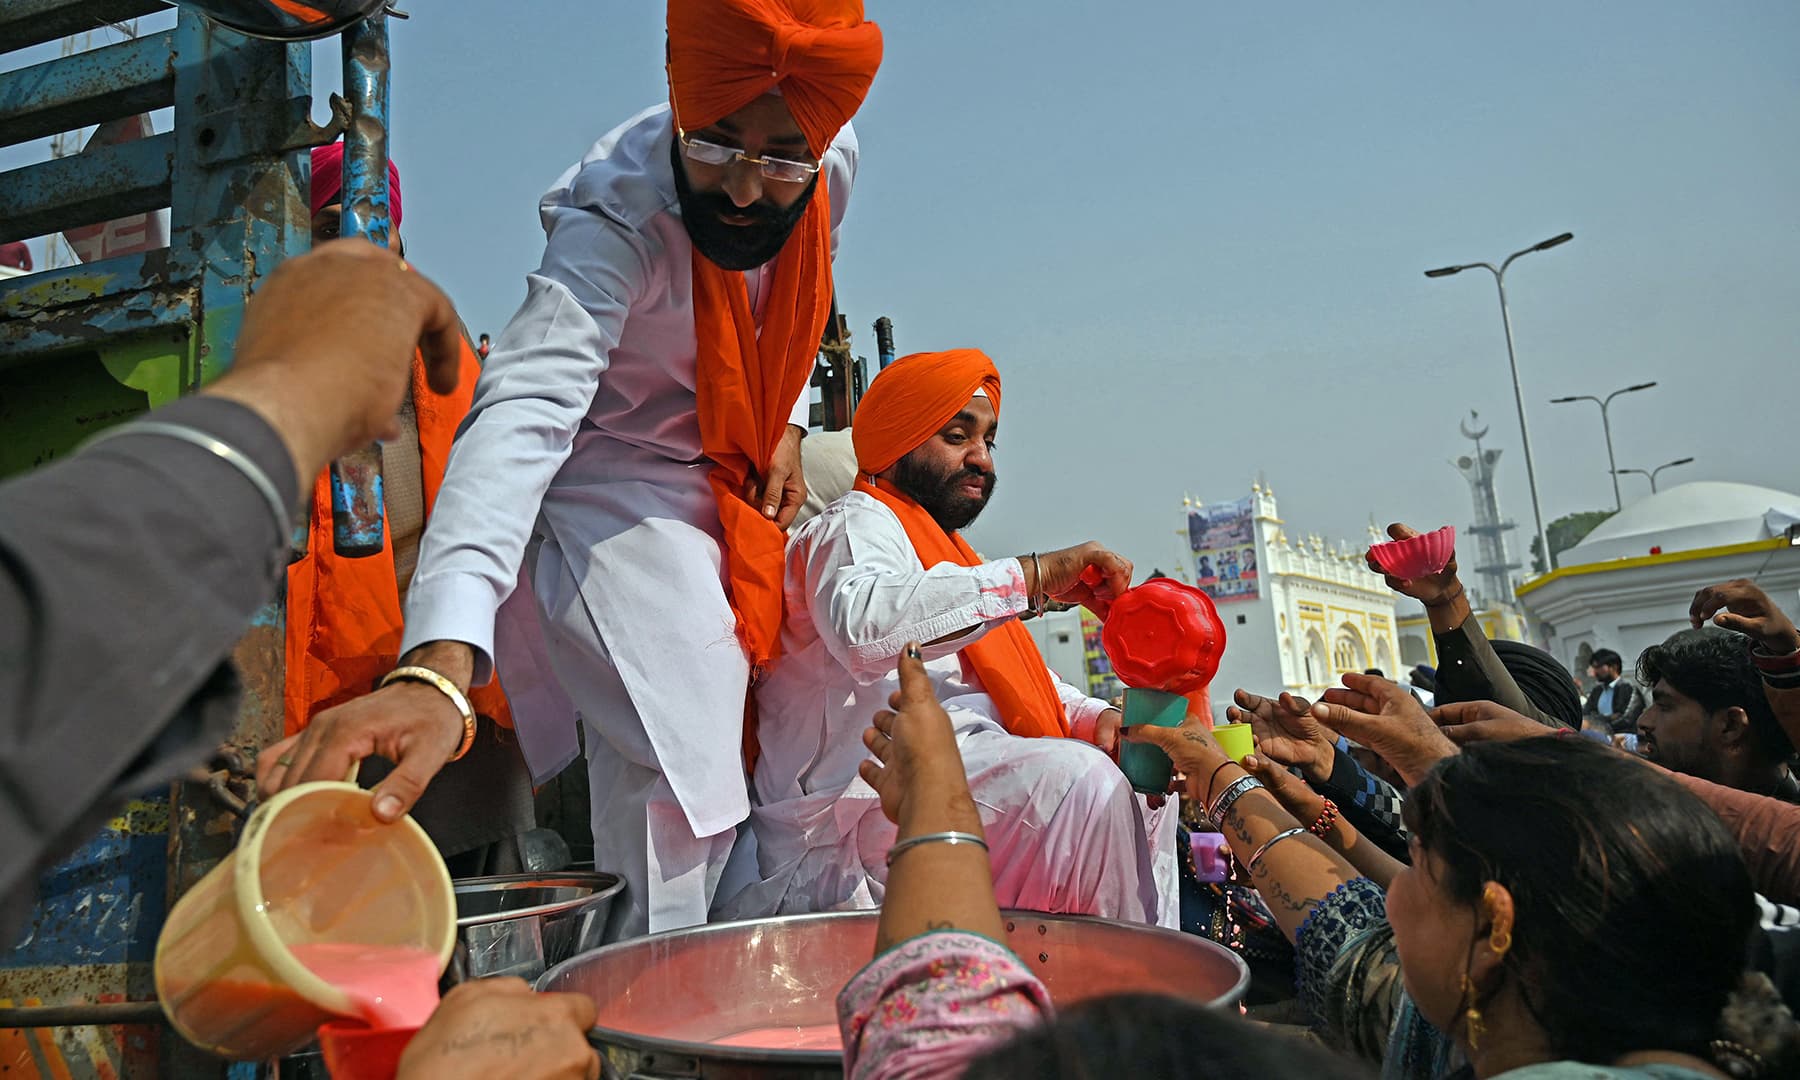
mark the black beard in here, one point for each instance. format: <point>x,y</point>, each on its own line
<point>735,247</point>
<point>937,493</point>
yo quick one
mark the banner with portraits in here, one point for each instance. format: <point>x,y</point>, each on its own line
<point>1222,537</point>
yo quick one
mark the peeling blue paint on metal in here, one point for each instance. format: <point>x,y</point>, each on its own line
<point>358,526</point>
<point>104,903</point>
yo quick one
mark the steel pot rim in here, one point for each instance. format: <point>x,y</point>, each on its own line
<point>607,885</point>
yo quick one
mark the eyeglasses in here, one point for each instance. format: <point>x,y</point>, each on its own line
<point>780,170</point>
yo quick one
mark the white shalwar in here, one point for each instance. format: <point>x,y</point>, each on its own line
<point>1065,831</point>
<point>578,476</point>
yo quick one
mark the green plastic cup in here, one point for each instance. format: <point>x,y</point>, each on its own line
<point>1146,766</point>
<point>1235,740</point>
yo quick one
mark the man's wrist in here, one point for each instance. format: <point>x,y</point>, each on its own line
<point>1449,612</point>
<point>1773,650</point>
<point>1319,770</point>
<point>454,660</point>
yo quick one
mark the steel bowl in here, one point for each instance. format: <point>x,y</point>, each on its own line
<point>523,924</point>
<point>665,999</point>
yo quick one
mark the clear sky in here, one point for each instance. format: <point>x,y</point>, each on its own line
<point>1192,235</point>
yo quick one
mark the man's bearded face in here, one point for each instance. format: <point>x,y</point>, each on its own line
<point>951,474</point>
<point>734,215</point>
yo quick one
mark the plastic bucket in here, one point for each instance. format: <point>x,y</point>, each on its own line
<point>313,866</point>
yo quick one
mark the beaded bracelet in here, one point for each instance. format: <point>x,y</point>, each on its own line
<point>1327,818</point>
<point>1230,795</point>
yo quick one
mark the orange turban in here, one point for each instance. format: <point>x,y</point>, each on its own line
<point>913,397</point>
<point>905,405</point>
<point>724,54</point>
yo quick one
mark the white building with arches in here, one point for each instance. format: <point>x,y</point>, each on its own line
<point>1318,612</point>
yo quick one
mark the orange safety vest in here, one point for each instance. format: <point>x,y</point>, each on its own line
<point>343,615</point>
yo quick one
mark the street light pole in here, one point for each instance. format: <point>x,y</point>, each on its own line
<point>1612,465</point>
<point>1537,509</point>
<point>1652,474</point>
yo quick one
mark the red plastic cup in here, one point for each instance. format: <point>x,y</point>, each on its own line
<point>1416,556</point>
<point>359,1052</point>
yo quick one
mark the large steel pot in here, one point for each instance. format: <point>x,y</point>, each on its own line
<point>665,998</point>
<point>523,924</point>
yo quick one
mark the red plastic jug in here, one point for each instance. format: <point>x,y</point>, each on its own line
<point>1164,635</point>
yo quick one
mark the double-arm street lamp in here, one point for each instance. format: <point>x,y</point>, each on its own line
<point>1652,474</point>
<point>1537,510</point>
<point>1612,465</point>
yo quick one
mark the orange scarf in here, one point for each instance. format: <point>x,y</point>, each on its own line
<point>906,405</point>
<point>724,54</point>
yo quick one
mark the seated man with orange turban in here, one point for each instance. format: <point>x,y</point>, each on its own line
<point>885,565</point>
<point>609,533</point>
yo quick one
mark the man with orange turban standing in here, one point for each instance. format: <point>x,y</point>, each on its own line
<point>883,566</point>
<point>610,530</point>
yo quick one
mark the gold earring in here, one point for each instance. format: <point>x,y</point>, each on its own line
<point>1472,1014</point>
<point>1500,942</point>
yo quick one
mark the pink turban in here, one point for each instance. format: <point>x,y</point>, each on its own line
<point>328,179</point>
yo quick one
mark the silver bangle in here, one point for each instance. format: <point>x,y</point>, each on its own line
<point>230,454</point>
<point>1297,830</point>
<point>934,838</point>
<point>1232,793</point>
<point>1032,606</point>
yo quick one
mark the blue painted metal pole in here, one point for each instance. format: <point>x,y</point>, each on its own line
<point>357,510</point>
<point>884,340</point>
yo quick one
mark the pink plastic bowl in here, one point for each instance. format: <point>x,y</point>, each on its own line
<point>1416,556</point>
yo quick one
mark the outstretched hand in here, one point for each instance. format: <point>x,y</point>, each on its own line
<point>1485,721</point>
<point>1293,793</point>
<point>1739,605</point>
<point>1286,731</point>
<point>916,757</point>
<point>1386,718</point>
<point>330,385</point>
<point>1190,746</point>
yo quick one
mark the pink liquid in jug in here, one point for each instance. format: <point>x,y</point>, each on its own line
<point>390,986</point>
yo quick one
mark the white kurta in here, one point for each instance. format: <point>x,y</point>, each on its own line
<point>582,447</point>
<point>1065,831</point>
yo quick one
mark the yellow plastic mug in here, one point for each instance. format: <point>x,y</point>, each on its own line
<point>313,865</point>
<point>1235,739</point>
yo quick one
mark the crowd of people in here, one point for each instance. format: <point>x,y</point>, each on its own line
<point>796,687</point>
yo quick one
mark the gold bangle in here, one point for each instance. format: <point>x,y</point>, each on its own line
<point>431,678</point>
